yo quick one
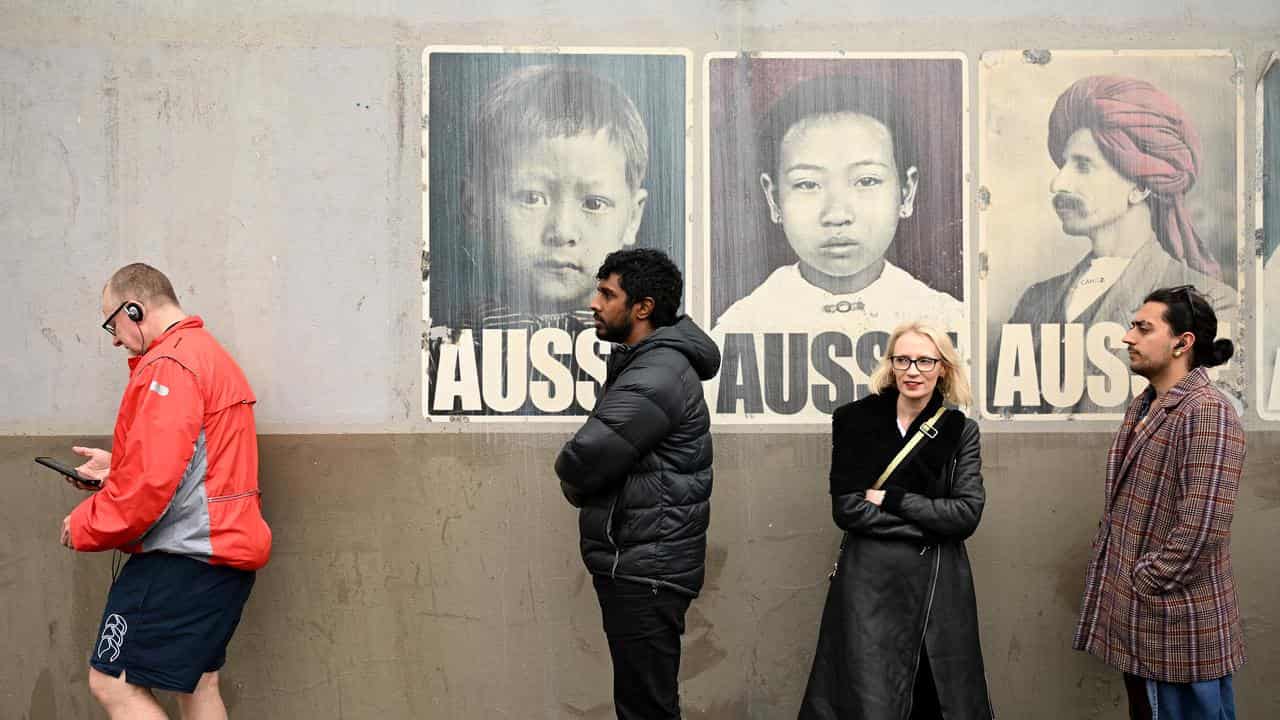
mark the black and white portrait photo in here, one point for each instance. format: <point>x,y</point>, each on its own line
<point>836,212</point>
<point>536,166</point>
<point>1104,176</point>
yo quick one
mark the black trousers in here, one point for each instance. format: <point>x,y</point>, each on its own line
<point>644,625</point>
<point>924,702</point>
<point>1139,705</point>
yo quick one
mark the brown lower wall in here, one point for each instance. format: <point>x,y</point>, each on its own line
<point>437,576</point>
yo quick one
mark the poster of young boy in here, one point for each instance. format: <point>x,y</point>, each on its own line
<point>1104,175</point>
<point>836,211</point>
<point>537,165</point>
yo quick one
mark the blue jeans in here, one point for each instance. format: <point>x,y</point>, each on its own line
<point>1207,700</point>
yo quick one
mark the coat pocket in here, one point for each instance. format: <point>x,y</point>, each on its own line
<point>1172,606</point>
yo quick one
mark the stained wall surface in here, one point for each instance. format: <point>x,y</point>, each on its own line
<point>437,576</point>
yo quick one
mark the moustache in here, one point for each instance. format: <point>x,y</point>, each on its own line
<point>1068,203</point>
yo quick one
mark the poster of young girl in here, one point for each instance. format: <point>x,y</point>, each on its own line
<point>836,211</point>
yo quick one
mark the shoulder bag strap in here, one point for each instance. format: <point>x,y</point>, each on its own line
<point>927,430</point>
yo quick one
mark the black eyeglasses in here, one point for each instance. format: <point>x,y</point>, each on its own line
<point>109,325</point>
<point>925,364</point>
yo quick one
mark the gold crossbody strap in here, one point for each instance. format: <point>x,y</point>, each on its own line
<point>926,430</point>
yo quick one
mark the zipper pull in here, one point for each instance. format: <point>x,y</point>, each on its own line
<point>924,550</point>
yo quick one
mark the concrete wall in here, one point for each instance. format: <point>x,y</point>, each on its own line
<point>267,157</point>
<point>436,576</point>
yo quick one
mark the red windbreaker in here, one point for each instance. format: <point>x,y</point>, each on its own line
<point>184,461</point>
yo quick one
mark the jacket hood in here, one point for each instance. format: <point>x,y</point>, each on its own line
<point>690,340</point>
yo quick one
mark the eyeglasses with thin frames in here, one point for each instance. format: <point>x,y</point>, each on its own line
<point>924,364</point>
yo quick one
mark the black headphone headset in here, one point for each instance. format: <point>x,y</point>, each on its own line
<point>134,311</point>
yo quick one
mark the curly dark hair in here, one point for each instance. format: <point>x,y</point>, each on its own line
<point>647,273</point>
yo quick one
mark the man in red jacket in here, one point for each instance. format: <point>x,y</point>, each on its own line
<point>180,493</point>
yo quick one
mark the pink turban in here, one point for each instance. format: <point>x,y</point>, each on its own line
<point>1145,135</point>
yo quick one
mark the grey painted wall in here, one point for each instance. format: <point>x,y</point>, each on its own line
<point>267,157</point>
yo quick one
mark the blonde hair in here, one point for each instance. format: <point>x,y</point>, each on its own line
<point>952,381</point>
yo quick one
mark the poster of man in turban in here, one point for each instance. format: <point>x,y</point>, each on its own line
<point>1104,175</point>
<point>1268,216</point>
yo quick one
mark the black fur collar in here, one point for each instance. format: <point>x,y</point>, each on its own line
<point>869,425</point>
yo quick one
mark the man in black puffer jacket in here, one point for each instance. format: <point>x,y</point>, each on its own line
<point>640,470</point>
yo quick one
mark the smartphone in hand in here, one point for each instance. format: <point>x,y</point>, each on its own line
<point>70,472</point>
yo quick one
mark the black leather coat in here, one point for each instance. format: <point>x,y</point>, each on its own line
<point>640,467</point>
<point>902,586</point>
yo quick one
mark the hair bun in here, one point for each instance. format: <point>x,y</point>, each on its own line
<point>1223,349</point>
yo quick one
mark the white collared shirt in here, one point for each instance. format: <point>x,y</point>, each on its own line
<point>1096,280</point>
<point>786,302</point>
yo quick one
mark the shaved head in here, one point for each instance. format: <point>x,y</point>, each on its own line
<point>142,283</point>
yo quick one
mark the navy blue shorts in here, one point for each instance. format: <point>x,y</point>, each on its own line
<point>168,620</point>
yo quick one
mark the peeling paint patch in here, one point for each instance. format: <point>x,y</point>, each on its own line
<point>984,198</point>
<point>603,710</point>
<point>1015,650</point>
<point>1037,57</point>
<point>52,338</point>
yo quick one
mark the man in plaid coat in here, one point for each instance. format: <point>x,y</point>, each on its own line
<point>1160,601</point>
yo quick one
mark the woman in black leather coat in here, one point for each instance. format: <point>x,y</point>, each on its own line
<point>899,633</point>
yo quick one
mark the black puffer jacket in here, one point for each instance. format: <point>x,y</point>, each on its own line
<point>640,468</point>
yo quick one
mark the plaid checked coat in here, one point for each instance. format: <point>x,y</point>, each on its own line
<point>1159,598</point>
